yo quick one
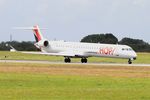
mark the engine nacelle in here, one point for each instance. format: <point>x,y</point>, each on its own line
<point>43,43</point>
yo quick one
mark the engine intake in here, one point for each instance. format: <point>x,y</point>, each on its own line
<point>43,43</point>
<point>46,43</point>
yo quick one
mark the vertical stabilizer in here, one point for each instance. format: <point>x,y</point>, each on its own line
<point>37,33</point>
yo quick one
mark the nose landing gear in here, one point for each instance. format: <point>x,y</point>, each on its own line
<point>129,61</point>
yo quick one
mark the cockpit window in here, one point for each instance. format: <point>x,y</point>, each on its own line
<point>127,49</point>
<point>130,49</point>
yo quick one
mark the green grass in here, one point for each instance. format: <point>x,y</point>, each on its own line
<point>22,56</point>
<point>52,87</point>
<point>72,84</point>
<point>142,58</point>
<point>34,85</point>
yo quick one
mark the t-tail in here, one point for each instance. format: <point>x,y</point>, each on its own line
<point>41,42</point>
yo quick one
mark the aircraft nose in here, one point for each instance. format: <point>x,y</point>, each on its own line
<point>134,55</point>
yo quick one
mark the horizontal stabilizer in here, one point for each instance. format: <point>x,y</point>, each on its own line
<point>27,28</point>
<point>37,33</point>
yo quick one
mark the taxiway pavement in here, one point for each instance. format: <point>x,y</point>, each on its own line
<point>48,62</point>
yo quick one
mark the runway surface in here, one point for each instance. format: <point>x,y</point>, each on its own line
<point>48,62</point>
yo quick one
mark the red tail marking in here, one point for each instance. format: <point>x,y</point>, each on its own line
<point>37,33</point>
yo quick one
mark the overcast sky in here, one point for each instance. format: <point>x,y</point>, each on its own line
<point>71,20</point>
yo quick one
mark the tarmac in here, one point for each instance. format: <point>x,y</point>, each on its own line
<point>49,62</point>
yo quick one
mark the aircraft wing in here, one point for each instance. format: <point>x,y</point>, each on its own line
<point>51,54</point>
<point>68,54</point>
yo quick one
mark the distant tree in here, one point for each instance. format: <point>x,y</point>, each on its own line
<point>27,46</point>
<point>100,38</point>
<point>3,46</point>
<point>20,46</point>
<point>137,44</point>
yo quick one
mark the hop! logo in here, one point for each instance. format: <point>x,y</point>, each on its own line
<point>106,51</point>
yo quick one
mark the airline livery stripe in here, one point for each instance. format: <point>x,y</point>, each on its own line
<point>37,33</point>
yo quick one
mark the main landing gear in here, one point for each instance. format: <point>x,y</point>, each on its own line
<point>84,60</point>
<point>68,60</point>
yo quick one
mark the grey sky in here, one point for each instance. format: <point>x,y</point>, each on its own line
<point>72,19</point>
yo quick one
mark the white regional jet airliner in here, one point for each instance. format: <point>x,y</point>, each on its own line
<point>80,50</point>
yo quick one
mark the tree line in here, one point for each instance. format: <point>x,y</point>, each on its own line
<point>20,46</point>
<point>108,38</point>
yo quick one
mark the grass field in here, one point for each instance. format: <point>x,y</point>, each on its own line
<point>22,81</point>
<point>73,82</point>
<point>143,58</point>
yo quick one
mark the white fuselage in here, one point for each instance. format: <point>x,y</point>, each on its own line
<point>90,49</point>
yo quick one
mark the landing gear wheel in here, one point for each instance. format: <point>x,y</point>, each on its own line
<point>130,61</point>
<point>84,60</point>
<point>67,60</point>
